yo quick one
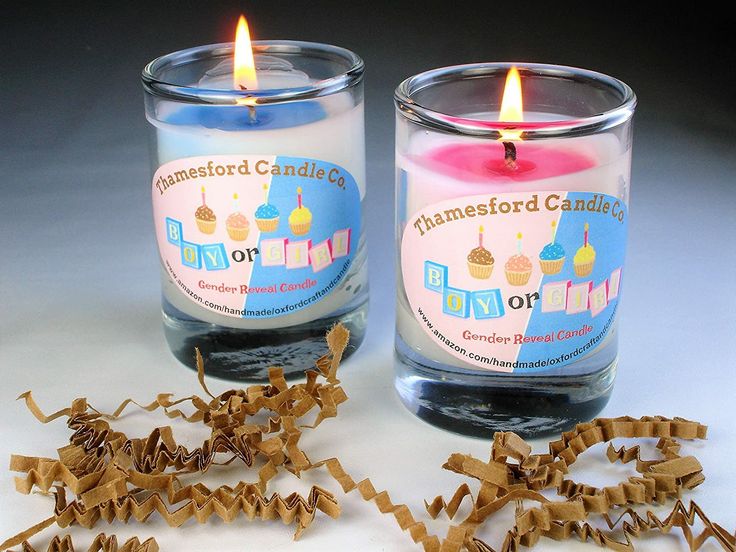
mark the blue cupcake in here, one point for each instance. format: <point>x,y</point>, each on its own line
<point>267,215</point>
<point>552,256</point>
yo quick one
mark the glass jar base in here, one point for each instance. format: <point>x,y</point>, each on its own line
<point>481,404</point>
<point>240,354</point>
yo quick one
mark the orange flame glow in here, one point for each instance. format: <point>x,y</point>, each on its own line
<point>244,67</point>
<point>512,107</point>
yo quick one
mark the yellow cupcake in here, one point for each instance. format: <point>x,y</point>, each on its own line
<point>583,261</point>
<point>300,219</point>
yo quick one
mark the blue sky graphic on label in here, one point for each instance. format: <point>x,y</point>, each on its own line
<point>591,300</point>
<point>305,259</point>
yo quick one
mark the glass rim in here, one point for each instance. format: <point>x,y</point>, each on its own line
<point>154,84</point>
<point>410,109</point>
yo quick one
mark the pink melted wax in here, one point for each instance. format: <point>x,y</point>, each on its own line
<point>485,162</point>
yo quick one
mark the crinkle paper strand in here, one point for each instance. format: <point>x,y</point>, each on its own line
<point>103,474</point>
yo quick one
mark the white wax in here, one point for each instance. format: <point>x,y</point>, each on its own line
<point>425,187</point>
<point>337,138</point>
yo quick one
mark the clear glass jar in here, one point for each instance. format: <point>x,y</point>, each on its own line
<point>258,204</point>
<point>511,241</point>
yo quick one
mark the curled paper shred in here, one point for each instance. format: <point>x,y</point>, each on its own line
<point>103,474</point>
<point>401,512</point>
<point>101,543</point>
<point>514,474</point>
<point>113,477</point>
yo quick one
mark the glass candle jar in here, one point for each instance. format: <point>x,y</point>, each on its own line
<point>511,239</point>
<point>258,203</point>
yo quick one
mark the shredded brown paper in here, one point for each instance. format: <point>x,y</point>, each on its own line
<point>111,476</point>
<point>101,543</point>
<point>102,474</point>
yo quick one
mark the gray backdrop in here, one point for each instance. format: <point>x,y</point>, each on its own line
<point>75,221</point>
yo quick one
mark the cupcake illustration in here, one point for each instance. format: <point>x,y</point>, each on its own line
<point>237,224</point>
<point>205,217</point>
<point>300,219</point>
<point>267,215</point>
<point>480,260</point>
<point>518,268</point>
<point>552,256</point>
<point>585,257</point>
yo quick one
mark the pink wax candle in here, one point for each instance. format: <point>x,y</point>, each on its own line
<point>438,167</point>
<point>459,165</point>
<point>500,161</point>
<point>500,308</point>
<point>456,166</point>
<point>485,162</point>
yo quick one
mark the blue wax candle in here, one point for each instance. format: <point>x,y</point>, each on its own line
<point>239,117</point>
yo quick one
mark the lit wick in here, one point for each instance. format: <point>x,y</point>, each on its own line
<point>509,155</point>
<point>512,111</point>
<point>244,67</point>
<point>248,102</point>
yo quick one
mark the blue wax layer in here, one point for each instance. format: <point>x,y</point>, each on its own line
<point>236,117</point>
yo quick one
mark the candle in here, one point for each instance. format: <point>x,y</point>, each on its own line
<point>254,125</point>
<point>465,332</point>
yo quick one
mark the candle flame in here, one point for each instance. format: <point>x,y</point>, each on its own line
<point>244,67</point>
<point>512,106</point>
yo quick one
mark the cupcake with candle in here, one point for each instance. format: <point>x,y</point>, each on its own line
<point>205,217</point>
<point>237,224</point>
<point>300,219</point>
<point>518,268</point>
<point>267,215</point>
<point>552,256</point>
<point>585,257</point>
<point>480,260</point>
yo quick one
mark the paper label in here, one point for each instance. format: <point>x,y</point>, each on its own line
<point>516,282</point>
<point>255,236</point>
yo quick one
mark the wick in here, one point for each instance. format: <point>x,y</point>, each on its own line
<point>509,155</point>
<point>251,107</point>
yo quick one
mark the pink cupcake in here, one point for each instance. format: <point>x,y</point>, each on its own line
<point>237,224</point>
<point>519,267</point>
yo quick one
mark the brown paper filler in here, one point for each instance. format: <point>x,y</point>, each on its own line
<point>102,474</point>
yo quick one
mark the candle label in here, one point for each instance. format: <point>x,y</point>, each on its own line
<point>254,236</point>
<point>516,282</point>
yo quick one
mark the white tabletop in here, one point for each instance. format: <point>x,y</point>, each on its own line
<point>80,317</point>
